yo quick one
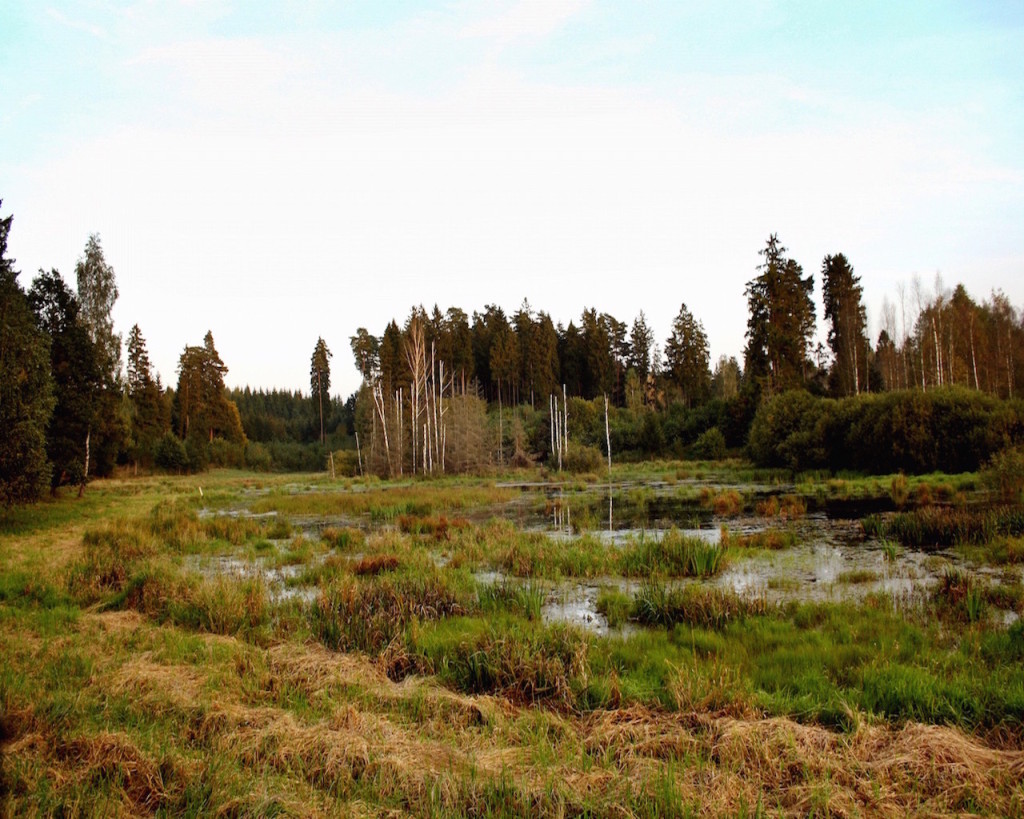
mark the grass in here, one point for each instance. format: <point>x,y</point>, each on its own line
<point>937,527</point>
<point>133,683</point>
<point>673,555</point>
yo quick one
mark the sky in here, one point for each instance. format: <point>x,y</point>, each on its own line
<point>275,172</point>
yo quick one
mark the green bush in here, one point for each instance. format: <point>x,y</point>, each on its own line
<point>257,457</point>
<point>170,453</point>
<point>785,432</point>
<point>952,429</point>
<point>583,458</point>
<point>226,453</point>
<point>1004,474</point>
<point>710,445</point>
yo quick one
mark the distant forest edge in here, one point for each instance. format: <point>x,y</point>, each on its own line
<point>447,392</point>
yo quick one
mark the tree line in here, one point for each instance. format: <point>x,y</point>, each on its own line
<point>71,408</point>
<point>427,383</point>
<point>450,392</point>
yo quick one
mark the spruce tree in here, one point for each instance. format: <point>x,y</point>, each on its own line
<point>26,389</point>
<point>781,321</point>
<point>687,357</point>
<point>847,320</point>
<point>77,379</point>
<point>320,379</point>
<point>145,399</point>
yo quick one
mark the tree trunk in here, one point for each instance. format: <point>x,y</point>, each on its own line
<point>85,470</point>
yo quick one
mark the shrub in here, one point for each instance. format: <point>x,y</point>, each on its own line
<point>170,453</point>
<point>783,432</point>
<point>1004,474</point>
<point>583,458</point>
<point>257,457</point>
<point>710,445</point>
<point>226,453</point>
<point>952,429</point>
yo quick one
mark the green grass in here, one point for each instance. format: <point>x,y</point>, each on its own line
<point>937,527</point>
<point>134,683</point>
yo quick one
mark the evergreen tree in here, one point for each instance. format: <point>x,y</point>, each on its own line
<point>687,357</point>
<point>393,369</point>
<point>145,398</point>
<point>781,320</point>
<point>618,346</point>
<point>77,379</point>
<point>320,379</point>
<point>641,338</point>
<point>457,351</point>
<point>527,341</point>
<point>366,351</point>
<point>847,319</point>
<point>487,327</point>
<point>504,362</point>
<point>203,410</point>
<point>572,358</point>
<point>599,369</point>
<point>546,370</point>
<point>26,389</point>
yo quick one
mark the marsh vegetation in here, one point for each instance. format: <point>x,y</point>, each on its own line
<point>710,641</point>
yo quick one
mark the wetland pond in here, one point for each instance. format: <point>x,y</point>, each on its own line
<point>826,556</point>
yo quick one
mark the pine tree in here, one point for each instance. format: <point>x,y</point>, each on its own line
<point>366,352</point>
<point>641,338</point>
<point>202,408</point>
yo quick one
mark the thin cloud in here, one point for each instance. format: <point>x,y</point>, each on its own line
<point>89,28</point>
<point>527,19</point>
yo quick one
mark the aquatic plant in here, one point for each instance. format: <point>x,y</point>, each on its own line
<point>674,554</point>
<point>940,526</point>
<point>655,604</point>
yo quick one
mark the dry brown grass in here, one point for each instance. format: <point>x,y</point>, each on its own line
<point>375,564</point>
<point>140,784</point>
<point>370,745</point>
<point>724,502</point>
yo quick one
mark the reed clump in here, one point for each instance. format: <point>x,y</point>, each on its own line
<point>707,607</point>
<point>724,502</point>
<point>788,507</point>
<point>937,527</point>
<point>674,554</point>
<point>375,564</point>
<point>767,539</point>
<point>367,613</point>
<point>525,663</point>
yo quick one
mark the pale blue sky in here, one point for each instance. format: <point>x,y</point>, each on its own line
<point>278,171</point>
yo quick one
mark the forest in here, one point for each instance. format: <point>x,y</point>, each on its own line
<point>525,569</point>
<point>450,392</point>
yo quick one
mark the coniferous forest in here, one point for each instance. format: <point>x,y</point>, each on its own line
<point>445,391</point>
